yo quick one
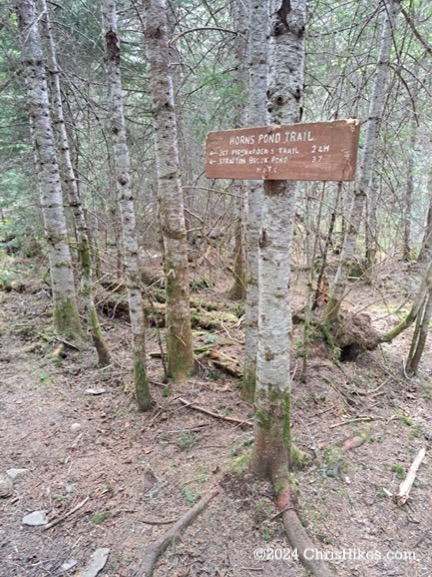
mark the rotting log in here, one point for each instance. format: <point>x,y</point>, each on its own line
<point>117,307</point>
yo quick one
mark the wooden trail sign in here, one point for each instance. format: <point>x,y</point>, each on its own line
<point>309,151</point>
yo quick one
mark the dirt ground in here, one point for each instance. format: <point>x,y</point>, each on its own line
<point>141,470</point>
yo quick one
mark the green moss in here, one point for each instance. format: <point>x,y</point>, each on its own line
<point>100,517</point>
<point>335,463</point>
<point>399,471</point>
<point>286,434</point>
<point>85,257</point>
<point>264,419</point>
<point>180,357</point>
<point>241,464</point>
<point>66,319</point>
<point>299,459</point>
<point>142,391</point>
<point>249,384</point>
<point>356,269</point>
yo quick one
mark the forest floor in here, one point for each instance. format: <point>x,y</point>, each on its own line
<point>137,469</point>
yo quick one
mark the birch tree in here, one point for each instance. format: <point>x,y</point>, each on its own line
<point>126,203</point>
<point>178,324</point>
<point>362,185</point>
<point>273,447</point>
<point>273,452</point>
<point>70,186</point>
<point>65,309</point>
<point>257,112</point>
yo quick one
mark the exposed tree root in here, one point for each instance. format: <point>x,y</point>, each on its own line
<point>353,443</point>
<point>154,550</point>
<point>308,552</point>
<point>352,334</point>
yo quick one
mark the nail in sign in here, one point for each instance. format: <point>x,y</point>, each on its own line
<point>309,151</point>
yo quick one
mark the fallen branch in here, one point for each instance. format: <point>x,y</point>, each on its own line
<point>151,522</point>
<point>225,362</point>
<point>215,415</point>
<point>361,419</point>
<point>154,550</point>
<point>406,485</point>
<point>66,515</point>
<point>67,343</point>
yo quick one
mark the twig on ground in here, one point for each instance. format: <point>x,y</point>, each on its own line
<point>152,522</point>
<point>356,420</point>
<point>406,485</point>
<point>66,515</point>
<point>67,343</point>
<point>240,422</point>
<point>154,550</point>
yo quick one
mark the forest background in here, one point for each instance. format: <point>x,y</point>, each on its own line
<point>365,245</point>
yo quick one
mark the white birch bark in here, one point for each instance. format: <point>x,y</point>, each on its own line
<point>179,332</point>
<point>273,448</point>
<point>66,317</point>
<point>126,203</point>
<point>362,184</point>
<point>70,186</point>
<point>257,111</point>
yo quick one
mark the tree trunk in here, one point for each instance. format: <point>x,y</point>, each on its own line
<point>273,451</point>
<point>185,159</point>
<point>238,289</point>
<point>424,289</point>
<point>179,333</point>
<point>66,317</point>
<point>362,185</point>
<point>69,183</point>
<point>407,253</point>
<point>126,203</point>
<point>426,248</point>
<point>419,340</point>
<point>272,448</point>
<point>371,230</point>
<point>258,22</point>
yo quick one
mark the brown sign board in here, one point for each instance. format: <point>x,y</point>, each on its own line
<point>308,151</point>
